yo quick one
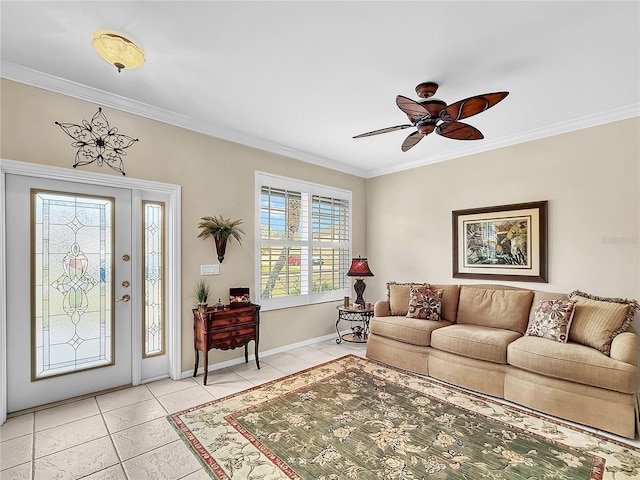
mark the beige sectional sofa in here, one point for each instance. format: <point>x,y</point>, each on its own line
<point>484,340</point>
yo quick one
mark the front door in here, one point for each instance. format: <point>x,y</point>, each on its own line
<point>68,289</point>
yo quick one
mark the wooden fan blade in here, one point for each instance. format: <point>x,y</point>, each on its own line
<point>471,106</point>
<point>413,109</point>
<point>412,140</point>
<point>383,130</point>
<point>459,131</point>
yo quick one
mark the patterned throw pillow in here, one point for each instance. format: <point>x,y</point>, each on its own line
<point>425,302</point>
<point>552,320</point>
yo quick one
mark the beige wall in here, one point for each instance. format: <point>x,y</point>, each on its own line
<point>402,221</point>
<point>590,177</point>
<point>217,177</point>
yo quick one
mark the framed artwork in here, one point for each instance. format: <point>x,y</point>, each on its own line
<point>507,242</point>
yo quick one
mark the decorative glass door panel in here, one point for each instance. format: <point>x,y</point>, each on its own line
<point>69,258</point>
<point>72,288</point>
<point>153,283</point>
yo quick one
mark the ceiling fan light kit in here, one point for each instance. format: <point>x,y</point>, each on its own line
<point>118,49</point>
<point>433,115</point>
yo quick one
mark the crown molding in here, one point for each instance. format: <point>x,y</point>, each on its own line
<point>34,78</point>
<point>610,116</point>
<point>38,79</point>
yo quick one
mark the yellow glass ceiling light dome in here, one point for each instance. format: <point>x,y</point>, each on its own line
<point>117,49</point>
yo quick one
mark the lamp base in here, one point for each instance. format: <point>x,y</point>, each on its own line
<point>359,287</point>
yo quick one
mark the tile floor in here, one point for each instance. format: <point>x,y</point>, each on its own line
<point>124,435</point>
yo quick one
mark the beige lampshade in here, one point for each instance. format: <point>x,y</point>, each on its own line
<point>117,49</point>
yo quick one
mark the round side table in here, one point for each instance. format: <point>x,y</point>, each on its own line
<point>359,333</point>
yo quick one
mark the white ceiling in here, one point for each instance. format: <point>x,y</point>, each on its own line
<point>301,78</point>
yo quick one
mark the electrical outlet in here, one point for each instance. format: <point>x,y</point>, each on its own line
<point>209,269</point>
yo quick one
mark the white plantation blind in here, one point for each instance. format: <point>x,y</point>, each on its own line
<point>303,245</point>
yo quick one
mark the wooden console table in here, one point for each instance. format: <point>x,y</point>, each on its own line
<point>225,329</point>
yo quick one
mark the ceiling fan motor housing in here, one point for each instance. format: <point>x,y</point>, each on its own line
<point>427,124</point>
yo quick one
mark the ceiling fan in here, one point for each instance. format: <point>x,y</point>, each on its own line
<point>431,114</point>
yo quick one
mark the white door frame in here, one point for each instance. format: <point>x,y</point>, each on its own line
<point>173,260</point>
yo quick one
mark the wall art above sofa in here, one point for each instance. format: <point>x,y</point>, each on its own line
<point>507,242</point>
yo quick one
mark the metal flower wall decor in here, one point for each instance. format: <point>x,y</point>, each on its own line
<point>97,142</point>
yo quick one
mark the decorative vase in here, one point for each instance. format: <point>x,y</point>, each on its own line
<point>221,247</point>
<point>202,307</point>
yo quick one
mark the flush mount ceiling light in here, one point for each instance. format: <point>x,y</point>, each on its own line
<point>118,49</point>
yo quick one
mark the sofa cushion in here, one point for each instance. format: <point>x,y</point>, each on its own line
<point>599,319</point>
<point>474,341</point>
<point>415,331</point>
<point>552,320</point>
<point>450,296</point>
<point>425,302</point>
<point>398,295</point>
<point>398,298</point>
<point>572,362</point>
<point>487,307</point>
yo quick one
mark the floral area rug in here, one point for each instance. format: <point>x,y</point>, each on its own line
<point>353,418</point>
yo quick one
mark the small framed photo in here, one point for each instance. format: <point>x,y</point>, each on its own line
<point>239,297</point>
<point>507,242</point>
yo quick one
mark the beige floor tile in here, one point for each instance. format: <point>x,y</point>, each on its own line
<point>265,374</point>
<point>302,351</point>
<point>77,461</point>
<point>342,349</point>
<point>19,472</point>
<point>170,462</point>
<point>16,451</point>
<point>243,367</point>
<point>131,415</point>
<point>287,363</point>
<point>112,473</point>
<point>220,388</point>
<point>17,427</point>
<point>312,355</point>
<point>143,438</point>
<point>52,417</point>
<point>122,398</point>
<point>223,375</point>
<point>199,475</point>
<point>69,435</point>
<point>165,386</point>
<point>187,398</point>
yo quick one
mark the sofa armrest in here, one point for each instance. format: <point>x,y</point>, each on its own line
<point>381,309</point>
<point>625,348</point>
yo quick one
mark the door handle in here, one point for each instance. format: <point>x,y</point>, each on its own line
<point>125,298</point>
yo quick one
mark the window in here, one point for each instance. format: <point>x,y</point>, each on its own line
<point>303,245</point>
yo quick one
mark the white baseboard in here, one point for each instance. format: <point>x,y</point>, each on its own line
<point>237,361</point>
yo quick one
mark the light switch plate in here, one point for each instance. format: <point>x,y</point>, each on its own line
<point>209,269</point>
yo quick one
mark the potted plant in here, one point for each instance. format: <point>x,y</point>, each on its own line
<point>220,229</point>
<point>202,294</point>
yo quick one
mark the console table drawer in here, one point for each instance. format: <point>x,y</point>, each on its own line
<point>232,341</point>
<point>244,331</point>
<point>231,321</point>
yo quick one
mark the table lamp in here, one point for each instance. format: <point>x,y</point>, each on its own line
<point>359,269</point>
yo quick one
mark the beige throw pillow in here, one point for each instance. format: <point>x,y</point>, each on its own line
<point>597,320</point>
<point>398,296</point>
<point>425,303</point>
<point>552,320</point>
